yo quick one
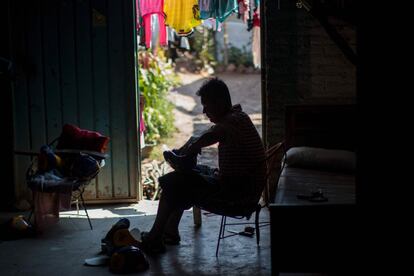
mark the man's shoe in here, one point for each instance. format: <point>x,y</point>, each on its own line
<point>107,243</point>
<point>180,162</point>
<point>151,247</point>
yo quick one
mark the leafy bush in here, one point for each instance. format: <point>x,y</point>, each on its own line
<point>156,77</point>
<point>239,56</point>
<point>203,46</point>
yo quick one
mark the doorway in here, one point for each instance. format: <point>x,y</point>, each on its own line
<point>223,51</point>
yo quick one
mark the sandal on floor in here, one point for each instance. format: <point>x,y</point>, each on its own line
<point>151,247</point>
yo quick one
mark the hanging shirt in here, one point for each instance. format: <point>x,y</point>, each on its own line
<point>182,15</point>
<point>207,9</point>
<point>147,8</point>
<point>218,9</point>
<point>224,8</point>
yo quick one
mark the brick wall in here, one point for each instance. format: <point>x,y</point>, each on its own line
<point>301,63</point>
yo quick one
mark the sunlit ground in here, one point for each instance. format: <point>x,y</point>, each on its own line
<point>143,208</point>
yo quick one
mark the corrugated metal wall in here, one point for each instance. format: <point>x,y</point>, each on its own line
<point>75,63</point>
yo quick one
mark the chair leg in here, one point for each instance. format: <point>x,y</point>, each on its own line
<point>256,221</point>
<point>86,211</point>
<point>221,232</point>
<point>197,216</point>
<point>77,206</point>
<point>31,213</point>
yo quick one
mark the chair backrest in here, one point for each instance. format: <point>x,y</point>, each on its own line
<point>274,156</point>
<point>239,209</point>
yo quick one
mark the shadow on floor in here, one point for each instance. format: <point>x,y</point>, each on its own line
<point>63,247</point>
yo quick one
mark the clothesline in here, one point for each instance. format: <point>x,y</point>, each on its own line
<point>182,16</point>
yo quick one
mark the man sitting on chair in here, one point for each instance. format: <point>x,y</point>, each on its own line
<point>239,180</point>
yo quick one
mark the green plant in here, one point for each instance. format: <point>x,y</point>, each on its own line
<point>239,56</point>
<point>156,77</point>
<point>203,45</point>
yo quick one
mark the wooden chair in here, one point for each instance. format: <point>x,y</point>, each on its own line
<point>245,210</point>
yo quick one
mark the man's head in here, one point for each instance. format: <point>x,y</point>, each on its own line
<point>215,98</point>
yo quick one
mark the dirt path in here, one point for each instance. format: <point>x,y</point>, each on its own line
<point>245,89</point>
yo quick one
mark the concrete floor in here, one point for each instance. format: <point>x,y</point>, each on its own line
<point>63,247</point>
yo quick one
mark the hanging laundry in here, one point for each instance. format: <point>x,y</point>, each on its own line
<point>147,8</point>
<point>170,34</point>
<point>155,26</point>
<point>256,38</point>
<point>177,41</point>
<point>218,9</point>
<point>256,17</point>
<point>182,15</point>
<point>184,43</point>
<point>244,9</point>
<point>207,9</point>
<point>139,25</point>
<point>212,23</point>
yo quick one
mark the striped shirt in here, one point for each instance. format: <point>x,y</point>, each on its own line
<point>241,153</point>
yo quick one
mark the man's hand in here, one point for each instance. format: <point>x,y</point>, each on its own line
<point>192,150</point>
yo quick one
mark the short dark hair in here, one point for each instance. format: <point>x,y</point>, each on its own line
<point>214,89</point>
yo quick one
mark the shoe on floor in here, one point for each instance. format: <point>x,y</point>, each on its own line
<point>151,247</point>
<point>121,224</point>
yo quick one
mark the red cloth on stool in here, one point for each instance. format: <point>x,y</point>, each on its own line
<point>73,137</point>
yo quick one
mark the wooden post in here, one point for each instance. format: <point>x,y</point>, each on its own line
<point>197,216</point>
<point>225,44</point>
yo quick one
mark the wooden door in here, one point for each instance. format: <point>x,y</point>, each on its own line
<point>75,63</point>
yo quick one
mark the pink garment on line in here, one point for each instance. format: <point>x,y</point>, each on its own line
<point>141,122</point>
<point>147,8</point>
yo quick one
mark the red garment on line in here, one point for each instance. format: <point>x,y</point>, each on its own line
<point>147,8</point>
<point>256,19</point>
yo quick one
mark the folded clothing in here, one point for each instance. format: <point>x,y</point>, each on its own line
<point>73,137</point>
